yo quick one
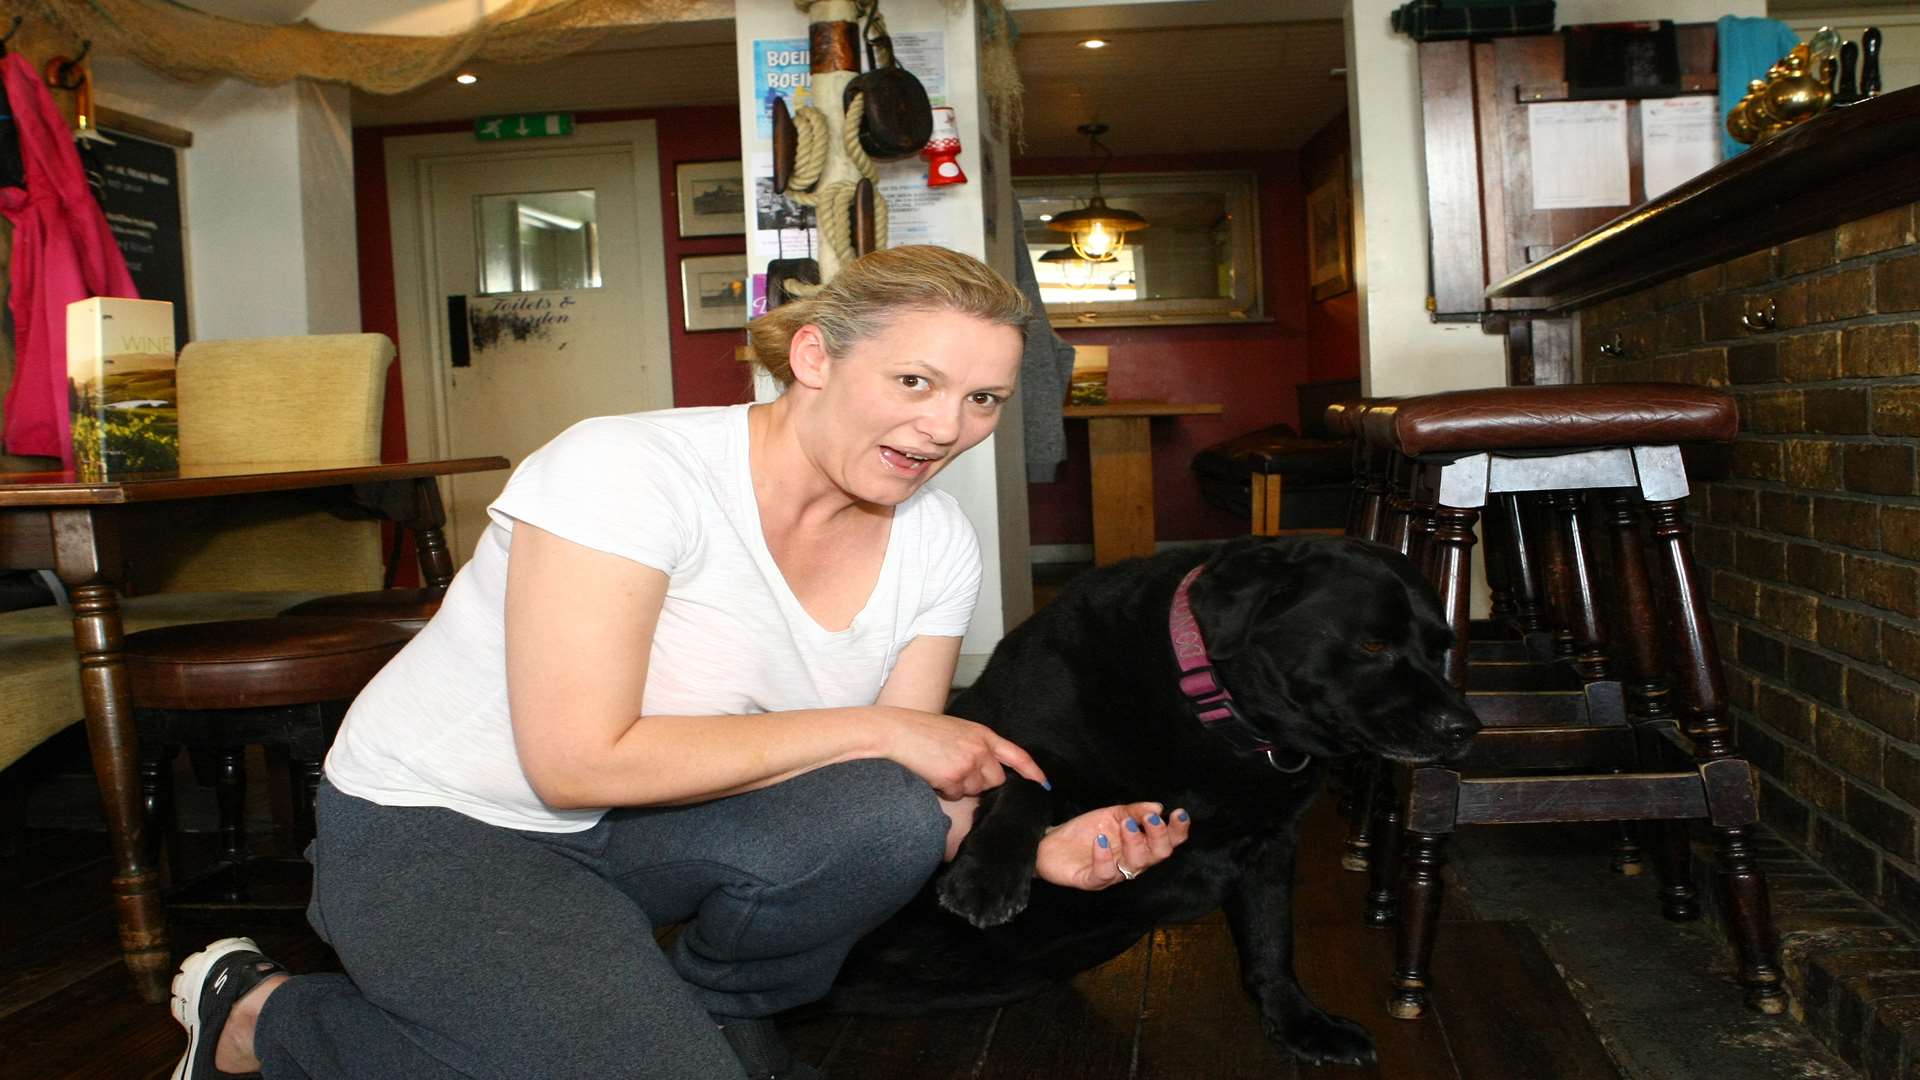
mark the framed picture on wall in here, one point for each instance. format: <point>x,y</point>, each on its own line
<point>1329,233</point>
<point>713,292</point>
<point>712,196</point>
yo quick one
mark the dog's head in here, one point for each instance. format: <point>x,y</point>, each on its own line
<point>1332,646</point>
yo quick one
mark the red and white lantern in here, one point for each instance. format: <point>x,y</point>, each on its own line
<point>943,150</point>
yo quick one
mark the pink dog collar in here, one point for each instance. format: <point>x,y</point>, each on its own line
<point>1211,702</point>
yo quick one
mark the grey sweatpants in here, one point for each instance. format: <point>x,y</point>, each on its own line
<point>477,951</point>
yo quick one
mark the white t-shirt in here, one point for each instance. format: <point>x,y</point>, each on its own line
<point>670,490</point>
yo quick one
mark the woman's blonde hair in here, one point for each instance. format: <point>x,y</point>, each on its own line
<point>867,294</point>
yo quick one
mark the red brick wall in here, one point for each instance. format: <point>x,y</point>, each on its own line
<point>1812,541</point>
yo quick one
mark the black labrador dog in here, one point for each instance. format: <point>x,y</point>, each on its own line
<point>1325,646</point>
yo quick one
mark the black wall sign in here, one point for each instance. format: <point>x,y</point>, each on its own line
<point>142,203</point>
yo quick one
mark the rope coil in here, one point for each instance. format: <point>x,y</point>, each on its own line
<point>833,204</point>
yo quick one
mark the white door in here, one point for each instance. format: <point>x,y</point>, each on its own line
<point>544,293</point>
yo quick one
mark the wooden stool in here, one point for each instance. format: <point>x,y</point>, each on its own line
<point>1621,439</point>
<point>407,609</point>
<point>224,686</point>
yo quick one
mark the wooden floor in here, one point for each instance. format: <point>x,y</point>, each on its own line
<point>1170,1009</point>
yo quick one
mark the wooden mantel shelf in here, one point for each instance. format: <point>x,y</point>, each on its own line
<point>1840,166</point>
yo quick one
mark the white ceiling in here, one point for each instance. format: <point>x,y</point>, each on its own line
<point>1178,77</point>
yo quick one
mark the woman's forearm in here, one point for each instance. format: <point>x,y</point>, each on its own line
<point>666,760</point>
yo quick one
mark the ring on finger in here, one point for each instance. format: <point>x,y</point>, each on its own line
<point>1126,873</point>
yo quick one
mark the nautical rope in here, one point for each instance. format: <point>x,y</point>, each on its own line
<point>833,204</point>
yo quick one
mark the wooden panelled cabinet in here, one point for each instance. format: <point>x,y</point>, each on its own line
<point>1474,97</point>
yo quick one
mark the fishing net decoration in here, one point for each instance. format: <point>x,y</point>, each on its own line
<point>192,45</point>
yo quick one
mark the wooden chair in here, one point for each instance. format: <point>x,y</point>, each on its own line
<point>1621,441</point>
<point>308,399</point>
<point>219,686</point>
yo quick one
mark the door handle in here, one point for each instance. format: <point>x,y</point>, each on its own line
<point>458,338</point>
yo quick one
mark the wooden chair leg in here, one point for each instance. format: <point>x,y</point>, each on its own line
<point>1399,521</point>
<point>1432,793</point>
<point>1358,499</point>
<point>1586,622</point>
<point>1679,900</point>
<point>1383,871</point>
<point>1523,561</point>
<point>156,801</point>
<point>1649,705</point>
<point>1364,796</point>
<point>1702,690</point>
<point>1556,568</point>
<point>1420,893</point>
<point>1497,555</point>
<point>1625,859</point>
<point>1373,509</point>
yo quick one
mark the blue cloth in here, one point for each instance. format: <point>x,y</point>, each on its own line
<point>1748,47</point>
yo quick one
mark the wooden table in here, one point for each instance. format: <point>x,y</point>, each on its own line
<point>1122,457</point>
<point>54,521</point>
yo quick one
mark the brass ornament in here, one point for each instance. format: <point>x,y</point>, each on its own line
<point>1797,88</point>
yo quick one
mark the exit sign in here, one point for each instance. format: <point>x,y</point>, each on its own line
<point>523,126</point>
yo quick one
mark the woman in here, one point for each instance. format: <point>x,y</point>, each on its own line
<point>739,627</point>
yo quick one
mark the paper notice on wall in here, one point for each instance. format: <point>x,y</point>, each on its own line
<point>924,54</point>
<point>1679,140</point>
<point>916,213</point>
<point>780,70</point>
<point>1578,153</point>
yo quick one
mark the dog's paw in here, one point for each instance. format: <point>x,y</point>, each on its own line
<point>985,893</point>
<point>1319,1038</point>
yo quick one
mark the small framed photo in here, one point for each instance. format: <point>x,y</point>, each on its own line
<point>713,291</point>
<point>712,197</point>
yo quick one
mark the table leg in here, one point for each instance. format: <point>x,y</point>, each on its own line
<point>1122,460</point>
<point>87,558</point>
<point>429,541</point>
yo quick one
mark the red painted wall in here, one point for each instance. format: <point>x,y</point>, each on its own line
<point>704,371</point>
<point>1252,369</point>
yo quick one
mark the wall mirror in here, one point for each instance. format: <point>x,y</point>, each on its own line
<point>1197,261</point>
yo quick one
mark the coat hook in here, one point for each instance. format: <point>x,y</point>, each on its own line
<point>58,69</point>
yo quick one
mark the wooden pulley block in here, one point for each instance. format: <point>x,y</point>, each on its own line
<point>781,271</point>
<point>786,145</point>
<point>899,118</point>
<point>863,220</point>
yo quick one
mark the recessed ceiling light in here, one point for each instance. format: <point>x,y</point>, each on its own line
<point>466,78</point>
<point>1094,43</point>
<point>1046,217</point>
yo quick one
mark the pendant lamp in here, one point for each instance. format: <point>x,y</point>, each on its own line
<point>1097,230</point>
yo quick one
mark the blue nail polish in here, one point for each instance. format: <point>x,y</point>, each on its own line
<point>1154,819</point>
<point>1132,825</point>
<point>1103,840</point>
<point>1046,785</point>
<point>1182,815</point>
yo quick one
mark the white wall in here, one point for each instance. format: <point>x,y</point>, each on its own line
<point>268,185</point>
<point>989,481</point>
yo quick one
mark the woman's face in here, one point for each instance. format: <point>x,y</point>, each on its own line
<point>903,403</point>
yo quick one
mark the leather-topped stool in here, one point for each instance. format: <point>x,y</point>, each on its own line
<point>1618,444</point>
<point>222,686</point>
<point>407,609</point>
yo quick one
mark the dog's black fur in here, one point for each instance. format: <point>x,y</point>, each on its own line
<point>1329,646</point>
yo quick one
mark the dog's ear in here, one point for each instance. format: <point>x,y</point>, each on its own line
<point>1244,584</point>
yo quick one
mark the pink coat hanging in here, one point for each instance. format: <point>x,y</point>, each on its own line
<point>62,252</point>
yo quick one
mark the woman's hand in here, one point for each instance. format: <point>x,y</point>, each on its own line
<point>1089,851</point>
<point>956,757</point>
